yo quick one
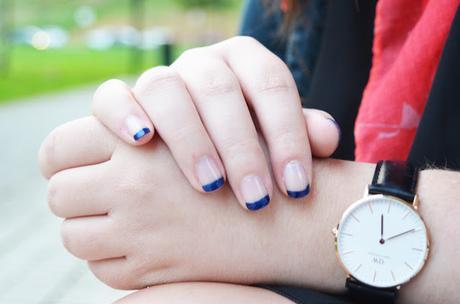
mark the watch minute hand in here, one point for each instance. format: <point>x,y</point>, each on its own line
<point>399,234</point>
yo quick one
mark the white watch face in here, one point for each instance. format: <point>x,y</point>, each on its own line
<point>382,241</point>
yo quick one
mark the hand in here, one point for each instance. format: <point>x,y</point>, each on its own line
<point>132,215</point>
<point>201,106</point>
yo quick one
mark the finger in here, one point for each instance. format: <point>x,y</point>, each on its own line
<point>163,95</point>
<point>117,273</point>
<point>323,132</point>
<point>79,192</point>
<point>92,238</point>
<point>217,95</point>
<point>115,106</point>
<point>272,93</point>
<point>77,143</point>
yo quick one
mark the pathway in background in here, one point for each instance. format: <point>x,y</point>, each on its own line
<point>34,266</point>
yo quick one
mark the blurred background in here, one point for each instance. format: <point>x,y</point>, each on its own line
<point>46,45</point>
<point>53,54</point>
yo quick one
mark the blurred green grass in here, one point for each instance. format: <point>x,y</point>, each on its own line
<point>34,72</point>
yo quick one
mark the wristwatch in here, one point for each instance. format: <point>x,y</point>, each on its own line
<point>381,240</point>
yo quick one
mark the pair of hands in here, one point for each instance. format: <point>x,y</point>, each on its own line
<point>129,210</point>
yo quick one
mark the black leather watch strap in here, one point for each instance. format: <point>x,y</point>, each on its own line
<point>396,178</point>
<point>399,179</point>
<point>362,293</point>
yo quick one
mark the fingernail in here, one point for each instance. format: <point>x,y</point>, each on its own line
<point>337,126</point>
<point>208,174</point>
<point>296,180</point>
<point>136,128</point>
<point>254,192</point>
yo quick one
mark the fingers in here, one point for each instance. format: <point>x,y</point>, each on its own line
<point>115,106</point>
<point>92,238</point>
<point>271,92</point>
<point>163,95</point>
<point>79,192</point>
<point>219,100</point>
<point>77,143</point>
<point>323,132</point>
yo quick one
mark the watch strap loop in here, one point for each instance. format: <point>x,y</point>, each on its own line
<point>396,178</point>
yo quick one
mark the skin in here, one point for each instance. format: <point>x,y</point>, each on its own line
<point>210,103</point>
<point>133,216</point>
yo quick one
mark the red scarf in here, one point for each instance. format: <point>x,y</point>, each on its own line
<point>409,36</point>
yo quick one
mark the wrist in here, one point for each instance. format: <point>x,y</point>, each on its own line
<point>301,231</point>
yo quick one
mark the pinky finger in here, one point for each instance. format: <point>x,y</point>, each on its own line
<point>323,132</point>
<point>115,106</point>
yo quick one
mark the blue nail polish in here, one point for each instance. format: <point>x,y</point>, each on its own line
<point>337,126</point>
<point>214,185</point>
<point>299,194</point>
<point>141,134</point>
<point>253,206</point>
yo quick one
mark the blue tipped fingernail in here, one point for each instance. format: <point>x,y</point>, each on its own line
<point>299,194</point>
<point>254,192</point>
<point>214,185</point>
<point>208,174</point>
<point>257,205</point>
<point>136,127</point>
<point>337,126</point>
<point>296,179</point>
<point>141,133</point>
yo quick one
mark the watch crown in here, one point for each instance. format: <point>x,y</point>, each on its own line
<point>335,230</point>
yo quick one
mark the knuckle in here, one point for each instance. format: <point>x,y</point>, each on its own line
<point>123,279</point>
<point>109,85</point>
<point>53,198</point>
<point>183,134</point>
<point>69,238</point>
<point>245,40</point>
<point>104,93</point>
<point>156,78</point>
<point>240,148</point>
<point>190,55</point>
<point>78,241</point>
<point>273,77</point>
<point>214,79</point>
<point>287,141</point>
<point>134,187</point>
<point>47,154</point>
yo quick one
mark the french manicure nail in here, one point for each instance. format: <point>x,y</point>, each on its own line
<point>136,128</point>
<point>296,180</point>
<point>337,126</point>
<point>208,174</point>
<point>254,193</point>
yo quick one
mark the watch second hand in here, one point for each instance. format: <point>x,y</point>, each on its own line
<point>399,234</point>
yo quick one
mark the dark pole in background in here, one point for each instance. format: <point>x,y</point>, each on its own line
<point>6,25</point>
<point>167,53</point>
<point>137,9</point>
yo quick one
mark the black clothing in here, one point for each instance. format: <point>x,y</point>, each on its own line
<point>338,81</point>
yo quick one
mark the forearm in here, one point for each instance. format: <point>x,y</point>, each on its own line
<point>304,242</point>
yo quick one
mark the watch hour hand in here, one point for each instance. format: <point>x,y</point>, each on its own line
<point>400,234</point>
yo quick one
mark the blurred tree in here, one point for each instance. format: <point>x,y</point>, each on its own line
<point>6,25</point>
<point>205,3</point>
<point>137,12</point>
